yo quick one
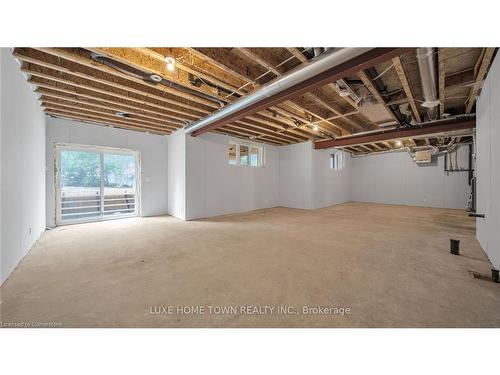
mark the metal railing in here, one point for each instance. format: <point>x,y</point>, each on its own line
<point>85,206</point>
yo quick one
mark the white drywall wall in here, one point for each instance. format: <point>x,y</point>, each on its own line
<point>22,165</point>
<point>394,178</point>
<point>153,150</point>
<point>177,174</point>
<point>214,187</point>
<point>488,164</point>
<point>330,186</point>
<point>295,175</point>
<point>306,179</point>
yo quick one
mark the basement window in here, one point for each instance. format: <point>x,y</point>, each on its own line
<point>245,154</point>
<point>337,161</point>
<point>233,160</point>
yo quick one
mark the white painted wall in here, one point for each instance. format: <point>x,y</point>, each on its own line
<point>22,165</point>
<point>329,186</point>
<point>488,164</point>
<point>393,178</point>
<point>213,187</point>
<point>153,150</point>
<point>306,180</point>
<point>177,174</point>
<point>295,175</point>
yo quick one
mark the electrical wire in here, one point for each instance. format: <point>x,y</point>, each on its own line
<point>253,81</point>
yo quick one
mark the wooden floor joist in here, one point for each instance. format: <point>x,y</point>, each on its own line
<point>441,80</point>
<point>398,65</point>
<point>283,110</point>
<point>376,94</point>
<point>483,68</point>
<point>352,66</point>
<point>113,86</point>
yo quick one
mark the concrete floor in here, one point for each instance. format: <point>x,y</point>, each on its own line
<point>390,265</point>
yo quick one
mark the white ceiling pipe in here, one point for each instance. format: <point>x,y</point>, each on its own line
<point>427,68</point>
<point>301,73</point>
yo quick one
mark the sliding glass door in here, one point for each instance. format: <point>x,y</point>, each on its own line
<point>118,184</point>
<point>95,183</point>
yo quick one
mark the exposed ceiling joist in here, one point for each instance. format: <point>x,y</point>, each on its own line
<point>141,58</point>
<point>352,66</point>
<point>481,74</point>
<point>117,108</point>
<point>81,115</point>
<point>398,65</point>
<point>251,56</point>
<point>441,80</point>
<point>83,65</point>
<point>100,110</point>
<point>376,94</point>
<point>281,111</point>
<point>299,56</point>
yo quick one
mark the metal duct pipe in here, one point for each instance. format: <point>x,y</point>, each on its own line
<point>428,71</point>
<point>303,72</point>
<point>392,150</point>
<point>151,78</point>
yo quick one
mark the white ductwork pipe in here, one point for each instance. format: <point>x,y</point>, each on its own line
<point>428,77</point>
<point>301,73</point>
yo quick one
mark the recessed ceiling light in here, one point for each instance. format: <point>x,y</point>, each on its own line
<point>155,78</point>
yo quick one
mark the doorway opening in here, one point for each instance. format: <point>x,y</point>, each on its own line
<point>95,183</point>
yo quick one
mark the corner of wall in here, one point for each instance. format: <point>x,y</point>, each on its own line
<point>176,171</point>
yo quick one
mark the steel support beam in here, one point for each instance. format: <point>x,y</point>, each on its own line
<point>380,136</point>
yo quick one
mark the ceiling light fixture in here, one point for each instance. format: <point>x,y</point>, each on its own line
<point>170,63</point>
<point>399,143</point>
<point>315,128</point>
<point>155,78</point>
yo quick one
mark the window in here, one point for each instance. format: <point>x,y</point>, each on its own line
<point>233,159</point>
<point>337,161</point>
<point>243,155</point>
<point>95,183</point>
<point>246,154</point>
<point>254,156</point>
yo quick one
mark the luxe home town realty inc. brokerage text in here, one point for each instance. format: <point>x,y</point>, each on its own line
<point>249,310</point>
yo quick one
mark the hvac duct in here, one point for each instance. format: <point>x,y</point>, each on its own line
<point>428,71</point>
<point>303,72</point>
